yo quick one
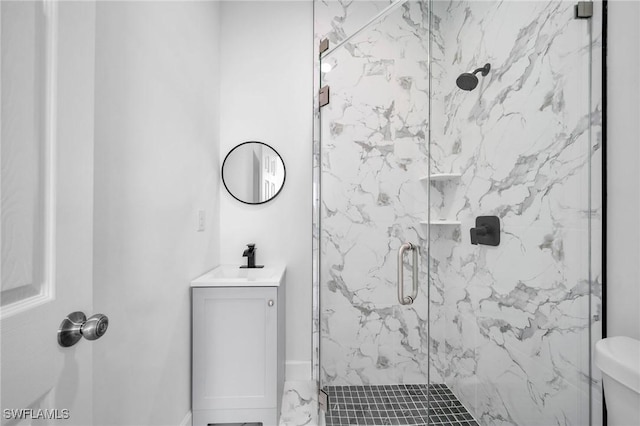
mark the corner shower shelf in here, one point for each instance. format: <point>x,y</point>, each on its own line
<point>436,177</point>
<point>442,222</point>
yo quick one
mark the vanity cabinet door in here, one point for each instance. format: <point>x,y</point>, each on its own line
<point>234,347</point>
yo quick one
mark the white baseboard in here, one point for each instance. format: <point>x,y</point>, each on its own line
<point>186,421</point>
<point>297,370</point>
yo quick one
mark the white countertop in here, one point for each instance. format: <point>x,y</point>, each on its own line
<point>234,276</point>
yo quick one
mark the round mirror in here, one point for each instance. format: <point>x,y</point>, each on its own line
<point>253,172</point>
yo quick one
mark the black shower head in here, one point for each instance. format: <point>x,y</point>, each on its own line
<point>469,81</point>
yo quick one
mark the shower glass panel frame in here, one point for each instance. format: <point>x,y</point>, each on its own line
<point>403,155</point>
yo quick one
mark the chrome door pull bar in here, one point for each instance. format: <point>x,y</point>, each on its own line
<point>407,300</point>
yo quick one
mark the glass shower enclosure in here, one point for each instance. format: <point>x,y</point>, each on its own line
<point>420,320</point>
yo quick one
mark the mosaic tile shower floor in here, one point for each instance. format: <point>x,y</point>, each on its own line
<point>395,405</point>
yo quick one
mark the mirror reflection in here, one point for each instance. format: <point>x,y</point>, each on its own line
<point>253,172</point>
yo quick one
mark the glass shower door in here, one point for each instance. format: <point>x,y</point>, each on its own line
<point>511,325</point>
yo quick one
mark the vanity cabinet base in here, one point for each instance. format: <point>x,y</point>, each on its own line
<point>238,346</point>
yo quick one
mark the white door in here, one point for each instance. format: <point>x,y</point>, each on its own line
<point>47,214</point>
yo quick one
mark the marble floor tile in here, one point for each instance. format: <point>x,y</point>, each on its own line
<point>299,404</point>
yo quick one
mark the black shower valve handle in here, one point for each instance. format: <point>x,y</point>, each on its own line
<point>486,231</point>
<point>481,230</point>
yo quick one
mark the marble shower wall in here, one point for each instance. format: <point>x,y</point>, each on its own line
<point>510,325</point>
<point>373,153</point>
<point>510,328</point>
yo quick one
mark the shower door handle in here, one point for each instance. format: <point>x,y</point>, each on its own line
<point>407,300</point>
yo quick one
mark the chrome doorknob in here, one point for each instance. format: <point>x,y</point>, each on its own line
<point>76,325</point>
<point>95,327</point>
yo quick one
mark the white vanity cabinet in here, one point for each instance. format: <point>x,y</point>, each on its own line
<point>238,350</point>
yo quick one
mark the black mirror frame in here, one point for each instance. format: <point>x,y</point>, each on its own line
<point>284,168</point>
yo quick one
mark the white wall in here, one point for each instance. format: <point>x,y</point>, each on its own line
<point>156,165</point>
<point>623,150</point>
<point>266,80</point>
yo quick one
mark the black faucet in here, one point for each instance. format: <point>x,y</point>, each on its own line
<point>250,254</point>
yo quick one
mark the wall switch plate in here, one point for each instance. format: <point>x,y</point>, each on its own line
<point>201,220</point>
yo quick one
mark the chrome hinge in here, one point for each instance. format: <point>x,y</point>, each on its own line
<point>323,96</point>
<point>324,45</point>
<point>323,400</point>
<point>584,10</point>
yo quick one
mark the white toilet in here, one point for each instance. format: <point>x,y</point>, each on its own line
<point>619,360</point>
